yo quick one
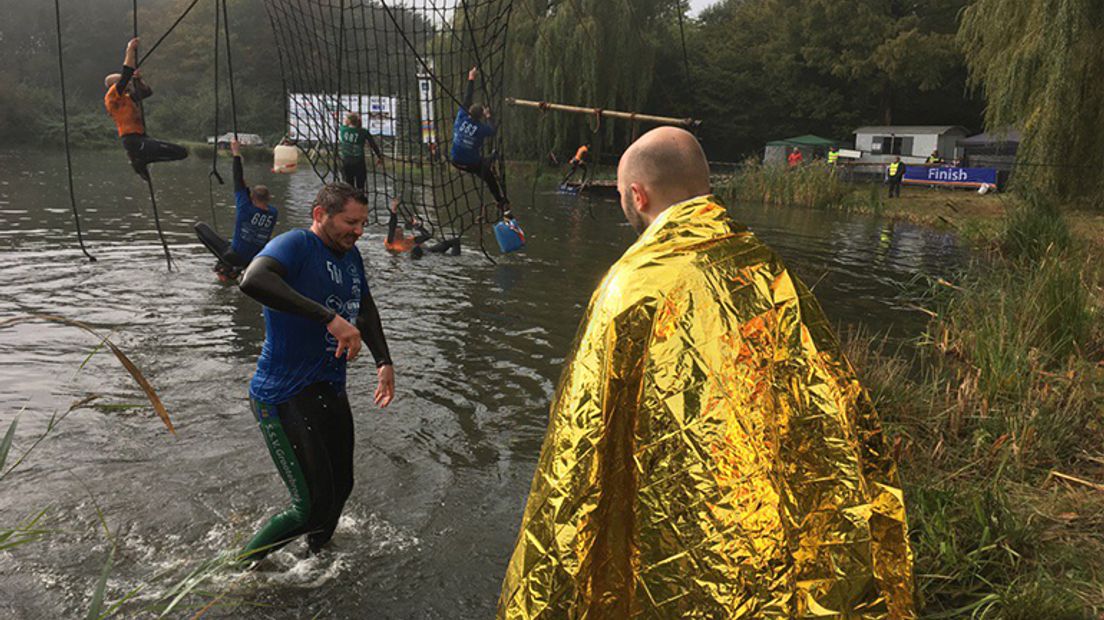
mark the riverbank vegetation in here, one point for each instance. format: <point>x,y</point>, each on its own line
<point>998,427</point>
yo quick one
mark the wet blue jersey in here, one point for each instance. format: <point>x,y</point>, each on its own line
<point>253,227</point>
<point>297,351</point>
<point>468,137</point>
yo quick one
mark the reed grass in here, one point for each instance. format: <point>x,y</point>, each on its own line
<point>816,185</point>
<point>1000,430</point>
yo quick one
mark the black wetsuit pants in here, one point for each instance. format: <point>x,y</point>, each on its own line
<point>355,173</point>
<point>483,170</point>
<point>144,150</point>
<point>575,165</point>
<point>230,263</point>
<point>310,438</point>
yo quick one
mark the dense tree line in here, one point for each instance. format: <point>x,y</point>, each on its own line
<point>751,70</point>
<point>180,71</point>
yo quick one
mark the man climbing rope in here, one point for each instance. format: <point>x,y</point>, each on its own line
<point>352,137</point>
<point>312,284</point>
<point>474,125</point>
<point>256,218</point>
<point>579,161</point>
<point>124,91</point>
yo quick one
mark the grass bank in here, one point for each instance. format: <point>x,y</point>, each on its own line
<point>1000,437</point>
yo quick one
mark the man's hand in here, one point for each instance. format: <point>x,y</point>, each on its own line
<point>379,162</point>
<point>473,73</point>
<point>348,337</point>
<point>137,77</point>
<point>385,389</point>
<point>235,148</point>
<point>130,59</point>
<point>394,205</point>
<point>487,113</point>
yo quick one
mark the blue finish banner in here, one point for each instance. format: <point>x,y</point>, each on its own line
<point>946,175</point>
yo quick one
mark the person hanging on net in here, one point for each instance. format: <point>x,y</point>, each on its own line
<point>124,91</point>
<point>474,125</point>
<point>253,226</point>
<point>317,310</point>
<point>397,242</point>
<point>353,137</point>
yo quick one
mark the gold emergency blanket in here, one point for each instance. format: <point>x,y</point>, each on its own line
<point>710,453</point>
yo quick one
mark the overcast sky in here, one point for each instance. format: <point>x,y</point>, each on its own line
<point>697,5</point>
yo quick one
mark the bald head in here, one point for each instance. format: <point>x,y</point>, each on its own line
<point>665,166</point>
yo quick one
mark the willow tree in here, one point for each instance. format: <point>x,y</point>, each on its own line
<point>1040,64</point>
<point>598,53</point>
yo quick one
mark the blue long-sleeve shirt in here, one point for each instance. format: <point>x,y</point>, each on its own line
<point>253,226</point>
<point>468,134</point>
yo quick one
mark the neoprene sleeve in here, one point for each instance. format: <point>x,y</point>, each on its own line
<point>141,90</point>
<point>239,174</point>
<point>127,72</point>
<point>372,144</point>
<point>392,228</point>
<point>469,94</point>
<point>264,281</point>
<point>371,329</point>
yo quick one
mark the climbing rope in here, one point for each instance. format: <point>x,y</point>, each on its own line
<point>214,174</point>
<point>167,32</point>
<point>229,70</point>
<point>65,125</point>
<point>142,112</point>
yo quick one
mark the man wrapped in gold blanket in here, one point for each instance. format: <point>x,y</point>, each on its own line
<point>710,453</point>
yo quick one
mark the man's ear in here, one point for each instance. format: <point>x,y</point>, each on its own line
<point>318,213</point>
<point>640,197</point>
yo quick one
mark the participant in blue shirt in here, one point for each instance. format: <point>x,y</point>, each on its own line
<point>474,125</point>
<point>317,310</point>
<point>253,225</point>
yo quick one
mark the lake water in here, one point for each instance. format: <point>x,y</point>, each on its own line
<point>441,475</point>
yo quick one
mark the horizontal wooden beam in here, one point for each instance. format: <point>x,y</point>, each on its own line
<point>688,123</point>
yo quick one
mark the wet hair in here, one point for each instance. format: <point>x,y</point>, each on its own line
<point>261,194</point>
<point>333,196</point>
<point>352,119</point>
<point>476,112</point>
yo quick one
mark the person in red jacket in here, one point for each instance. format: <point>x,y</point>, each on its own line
<point>124,91</point>
<point>795,158</point>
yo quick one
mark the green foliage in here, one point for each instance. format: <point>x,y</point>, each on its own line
<point>815,185</point>
<point>1005,389</point>
<point>1041,67</point>
<point>768,69</point>
<point>6,442</point>
<point>758,69</point>
<point>599,53</point>
<point>1034,228</point>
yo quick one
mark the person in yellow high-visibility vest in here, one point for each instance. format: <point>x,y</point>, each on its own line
<point>895,173</point>
<point>833,156</point>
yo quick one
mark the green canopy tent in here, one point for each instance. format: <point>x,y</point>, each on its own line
<point>809,145</point>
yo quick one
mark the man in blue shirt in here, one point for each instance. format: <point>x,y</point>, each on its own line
<point>474,125</point>
<point>253,225</point>
<point>317,310</point>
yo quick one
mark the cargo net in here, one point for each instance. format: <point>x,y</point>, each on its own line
<point>403,68</point>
